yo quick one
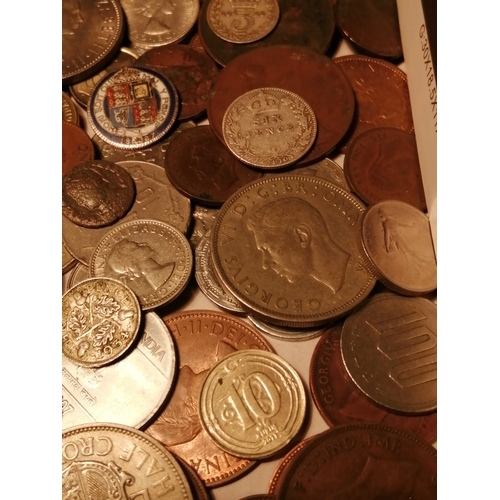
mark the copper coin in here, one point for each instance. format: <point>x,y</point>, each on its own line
<point>382,164</point>
<point>312,76</point>
<point>361,461</point>
<point>372,27</point>
<point>382,96</point>
<point>197,487</point>
<point>202,168</point>
<point>202,338</point>
<point>302,23</point>
<point>77,147</point>
<point>339,400</point>
<point>192,73</point>
<point>97,193</point>
<point>69,112</point>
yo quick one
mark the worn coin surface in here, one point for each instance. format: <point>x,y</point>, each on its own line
<point>286,248</point>
<point>68,261</point>
<point>100,321</point>
<point>79,273</point>
<point>69,112</point>
<point>153,258</point>
<point>389,348</point>
<point>77,147</point>
<point>269,127</point>
<point>97,193</point>
<point>119,462</point>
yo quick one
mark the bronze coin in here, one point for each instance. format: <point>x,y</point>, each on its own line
<point>339,400</point>
<point>77,147</point>
<point>302,23</point>
<point>97,193</point>
<point>361,461</point>
<point>192,73</point>
<point>382,164</point>
<point>371,27</point>
<point>197,487</point>
<point>202,338</point>
<point>201,167</point>
<point>382,96</point>
<point>312,76</point>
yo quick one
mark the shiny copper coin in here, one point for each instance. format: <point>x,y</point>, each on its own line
<point>69,112</point>
<point>372,27</point>
<point>301,23</point>
<point>202,338</point>
<point>97,193</point>
<point>192,73</point>
<point>77,147</point>
<point>314,77</point>
<point>382,96</point>
<point>339,400</point>
<point>359,462</point>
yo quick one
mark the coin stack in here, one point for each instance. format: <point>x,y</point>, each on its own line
<point>249,277</point>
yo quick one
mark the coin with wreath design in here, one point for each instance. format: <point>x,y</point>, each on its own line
<point>100,321</point>
<point>269,128</point>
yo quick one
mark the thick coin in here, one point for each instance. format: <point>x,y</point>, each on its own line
<point>128,392</point>
<point>77,147</point>
<point>116,461</point>
<point>97,193</point>
<point>202,339</point>
<point>396,241</point>
<point>285,333</point>
<point>69,112</point>
<point>286,248</point>
<point>389,348</point>
<point>340,402</point>
<point>269,127</point>
<point>92,32</point>
<point>100,321</point>
<point>312,76</point>
<point>133,108</point>
<point>153,258</point>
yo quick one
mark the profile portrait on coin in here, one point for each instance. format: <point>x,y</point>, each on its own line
<point>157,13</point>
<point>295,242</point>
<point>71,17</point>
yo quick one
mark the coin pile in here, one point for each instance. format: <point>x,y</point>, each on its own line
<point>249,276</point>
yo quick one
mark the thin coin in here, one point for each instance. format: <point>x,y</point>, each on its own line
<point>396,241</point>
<point>77,147</point>
<point>202,339</point>
<point>340,402</point>
<point>269,128</point>
<point>80,273</point>
<point>153,258</point>
<point>69,112</point>
<point>242,22</point>
<point>202,168</point>
<point>284,333</point>
<point>117,461</point>
<point>252,403</point>
<point>100,321</point>
<point>133,108</point>
<point>389,348</point>
<point>97,193</point>
<point>312,76</point>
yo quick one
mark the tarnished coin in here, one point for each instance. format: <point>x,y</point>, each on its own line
<point>100,321</point>
<point>69,112</point>
<point>97,193</point>
<point>77,147</point>
<point>79,273</point>
<point>396,242</point>
<point>68,261</point>
<point>252,403</point>
<point>153,258</point>
<point>119,462</point>
<point>286,333</point>
<point>269,127</point>
<point>286,248</point>
<point>91,34</point>
<point>133,107</point>
<point>129,391</point>
<point>389,348</point>
<point>203,219</point>
<point>242,22</point>
<point>197,487</point>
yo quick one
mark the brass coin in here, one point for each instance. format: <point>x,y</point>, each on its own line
<point>69,112</point>
<point>252,403</point>
<point>100,321</point>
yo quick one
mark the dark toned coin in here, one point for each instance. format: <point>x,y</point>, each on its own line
<point>69,112</point>
<point>381,91</point>
<point>312,76</point>
<point>382,164</point>
<point>302,23</point>
<point>97,193</point>
<point>77,147</point>
<point>191,72</point>
<point>197,487</point>
<point>202,168</point>
<point>339,400</point>
<point>372,27</point>
<point>259,497</point>
<point>359,462</point>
